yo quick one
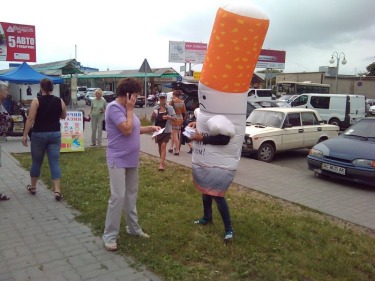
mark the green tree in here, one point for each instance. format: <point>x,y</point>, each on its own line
<point>371,69</point>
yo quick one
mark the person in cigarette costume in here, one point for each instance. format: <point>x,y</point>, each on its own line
<point>236,40</point>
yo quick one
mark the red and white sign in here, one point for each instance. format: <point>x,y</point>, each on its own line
<point>17,42</point>
<point>187,52</point>
<point>271,59</point>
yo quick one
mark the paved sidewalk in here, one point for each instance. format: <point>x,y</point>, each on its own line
<point>40,239</point>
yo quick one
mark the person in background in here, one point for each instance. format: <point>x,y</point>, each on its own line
<point>4,123</point>
<point>29,92</point>
<point>96,114</point>
<point>123,132</point>
<point>44,117</point>
<point>85,119</point>
<point>179,107</point>
<point>162,116</point>
<point>184,139</point>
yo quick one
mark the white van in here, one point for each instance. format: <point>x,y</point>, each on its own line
<point>337,109</point>
<point>81,92</point>
<point>264,94</point>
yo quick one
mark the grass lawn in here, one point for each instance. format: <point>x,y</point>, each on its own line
<point>274,239</point>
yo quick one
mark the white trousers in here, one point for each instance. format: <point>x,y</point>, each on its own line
<point>97,128</point>
<point>124,193</point>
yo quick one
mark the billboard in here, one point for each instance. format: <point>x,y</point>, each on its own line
<point>17,42</point>
<point>271,59</point>
<point>187,52</point>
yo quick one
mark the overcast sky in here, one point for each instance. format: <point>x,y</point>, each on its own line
<point>117,36</point>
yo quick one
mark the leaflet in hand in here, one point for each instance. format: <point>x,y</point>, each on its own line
<point>158,132</point>
<point>189,132</point>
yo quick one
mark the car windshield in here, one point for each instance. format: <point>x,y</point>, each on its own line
<point>266,118</point>
<point>364,128</point>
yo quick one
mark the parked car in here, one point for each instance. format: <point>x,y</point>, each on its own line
<point>287,98</point>
<point>274,129</point>
<point>337,109</point>
<point>350,156</point>
<point>109,96</point>
<point>272,103</point>
<point>251,105</point>
<point>81,92</point>
<point>264,94</point>
<point>371,110</point>
<point>90,95</point>
<point>140,102</point>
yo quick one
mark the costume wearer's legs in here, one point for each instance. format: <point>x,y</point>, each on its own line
<point>100,129</point>
<point>118,184</point>
<point>223,208</point>
<point>207,207</point>
<point>94,128</point>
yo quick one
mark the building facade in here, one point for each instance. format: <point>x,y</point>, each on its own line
<point>347,84</point>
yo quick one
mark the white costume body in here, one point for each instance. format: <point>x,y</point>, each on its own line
<point>214,166</point>
<point>235,44</point>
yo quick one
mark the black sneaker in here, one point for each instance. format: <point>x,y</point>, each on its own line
<point>203,221</point>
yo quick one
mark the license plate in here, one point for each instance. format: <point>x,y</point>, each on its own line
<point>334,169</point>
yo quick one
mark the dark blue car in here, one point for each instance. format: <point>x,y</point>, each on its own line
<point>350,156</point>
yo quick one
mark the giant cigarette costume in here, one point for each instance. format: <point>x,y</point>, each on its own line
<point>235,44</point>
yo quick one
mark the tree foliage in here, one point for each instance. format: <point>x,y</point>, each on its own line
<point>371,69</point>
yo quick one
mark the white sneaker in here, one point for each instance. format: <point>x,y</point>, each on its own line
<point>142,234</point>
<point>111,246</point>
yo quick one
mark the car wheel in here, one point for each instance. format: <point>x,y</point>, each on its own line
<point>334,121</point>
<point>266,152</point>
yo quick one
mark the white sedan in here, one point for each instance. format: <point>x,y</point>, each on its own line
<point>275,129</point>
<point>372,110</point>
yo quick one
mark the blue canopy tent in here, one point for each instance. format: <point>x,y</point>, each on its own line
<point>25,74</point>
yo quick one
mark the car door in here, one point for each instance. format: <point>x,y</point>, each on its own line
<point>311,129</point>
<point>292,132</point>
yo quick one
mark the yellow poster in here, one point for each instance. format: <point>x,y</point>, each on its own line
<point>72,132</point>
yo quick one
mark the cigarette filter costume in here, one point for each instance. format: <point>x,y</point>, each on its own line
<point>233,50</point>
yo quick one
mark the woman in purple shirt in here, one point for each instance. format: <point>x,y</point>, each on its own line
<point>123,142</point>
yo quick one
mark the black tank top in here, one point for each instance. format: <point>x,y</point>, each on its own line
<point>159,121</point>
<point>48,114</point>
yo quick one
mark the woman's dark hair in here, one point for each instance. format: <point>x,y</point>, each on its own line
<point>46,85</point>
<point>128,85</point>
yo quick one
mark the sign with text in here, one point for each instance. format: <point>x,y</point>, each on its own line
<point>187,52</point>
<point>17,42</point>
<point>72,132</point>
<point>271,59</point>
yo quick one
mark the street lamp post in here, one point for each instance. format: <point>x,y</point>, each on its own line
<point>337,56</point>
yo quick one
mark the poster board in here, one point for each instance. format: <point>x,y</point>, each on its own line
<point>72,132</point>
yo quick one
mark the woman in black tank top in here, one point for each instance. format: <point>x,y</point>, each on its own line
<point>44,117</point>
